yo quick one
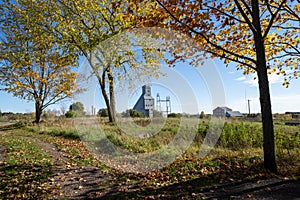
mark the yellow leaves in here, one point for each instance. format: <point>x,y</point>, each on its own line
<point>286,83</point>
<point>119,17</point>
<point>296,74</point>
<point>218,38</point>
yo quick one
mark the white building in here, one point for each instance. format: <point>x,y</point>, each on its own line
<point>226,112</point>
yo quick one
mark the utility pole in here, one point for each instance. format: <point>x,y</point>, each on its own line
<point>93,110</point>
<point>249,107</point>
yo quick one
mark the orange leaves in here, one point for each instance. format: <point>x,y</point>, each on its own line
<point>227,34</point>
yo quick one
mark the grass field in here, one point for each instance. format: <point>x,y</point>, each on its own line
<point>26,168</point>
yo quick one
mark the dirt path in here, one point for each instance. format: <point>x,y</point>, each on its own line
<point>69,181</point>
<point>2,124</point>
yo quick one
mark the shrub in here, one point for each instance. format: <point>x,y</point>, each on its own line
<point>70,114</point>
<point>78,106</point>
<point>132,113</point>
<point>174,115</point>
<point>202,115</point>
<point>103,112</point>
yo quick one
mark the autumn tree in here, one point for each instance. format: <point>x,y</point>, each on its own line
<point>256,35</point>
<point>75,110</point>
<point>32,66</point>
<point>77,106</point>
<point>83,26</point>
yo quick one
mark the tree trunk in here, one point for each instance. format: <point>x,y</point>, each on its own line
<point>109,101</point>
<point>264,93</point>
<point>38,112</point>
<point>267,121</point>
<point>112,102</point>
<point>106,99</point>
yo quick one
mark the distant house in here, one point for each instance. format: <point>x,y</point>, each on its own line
<point>220,111</point>
<point>226,112</point>
<point>294,114</point>
<point>145,104</point>
<point>234,114</point>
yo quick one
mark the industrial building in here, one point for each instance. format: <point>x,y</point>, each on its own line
<point>145,104</point>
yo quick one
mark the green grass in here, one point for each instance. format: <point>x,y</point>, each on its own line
<point>25,171</point>
<point>237,156</point>
<point>63,138</point>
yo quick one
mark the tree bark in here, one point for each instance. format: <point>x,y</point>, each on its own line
<point>267,121</point>
<point>109,100</point>
<point>264,93</point>
<point>38,112</point>
<point>106,99</point>
<point>112,102</point>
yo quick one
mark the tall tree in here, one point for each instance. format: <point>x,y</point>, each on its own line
<point>244,32</point>
<point>83,25</point>
<point>32,66</point>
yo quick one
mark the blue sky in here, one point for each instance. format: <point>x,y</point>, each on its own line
<point>238,88</point>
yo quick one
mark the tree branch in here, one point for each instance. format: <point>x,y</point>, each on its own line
<point>273,18</point>
<point>245,15</point>
<point>205,37</point>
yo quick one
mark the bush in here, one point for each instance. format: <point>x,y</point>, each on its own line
<point>132,113</point>
<point>175,115</point>
<point>135,113</point>
<point>202,115</point>
<point>103,112</point>
<point>78,106</point>
<point>75,110</point>
<point>70,114</point>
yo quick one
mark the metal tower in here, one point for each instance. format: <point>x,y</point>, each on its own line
<point>167,102</point>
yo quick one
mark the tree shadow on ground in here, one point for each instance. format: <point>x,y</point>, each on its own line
<point>273,188</point>
<point>12,126</point>
<point>237,184</point>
